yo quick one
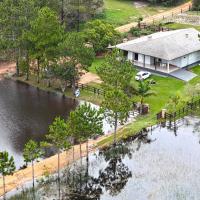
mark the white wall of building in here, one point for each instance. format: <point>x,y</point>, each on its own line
<point>179,62</point>
<point>147,60</point>
<point>186,60</point>
<point>140,58</point>
<point>130,56</point>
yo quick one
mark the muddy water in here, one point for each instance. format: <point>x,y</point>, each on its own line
<point>161,165</point>
<point>25,113</point>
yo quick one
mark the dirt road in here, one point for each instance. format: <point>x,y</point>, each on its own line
<point>155,18</point>
<point>48,165</point>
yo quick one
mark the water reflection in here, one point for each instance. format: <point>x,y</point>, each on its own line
<point>156,165</point>
<point>26,113</point>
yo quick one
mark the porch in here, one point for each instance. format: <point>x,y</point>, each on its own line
<point>166,68</point>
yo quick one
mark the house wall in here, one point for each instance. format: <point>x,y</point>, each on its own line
<point>130,56</point>
<point>186,60</point>
<point>147,60</point>
<point>140,58</point>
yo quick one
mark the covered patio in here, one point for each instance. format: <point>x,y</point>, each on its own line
<point>160,67</point>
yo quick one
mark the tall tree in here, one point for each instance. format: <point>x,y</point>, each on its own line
<point>100,34</point>
<point>15,20</point>
<point>58,138</point>
<point>84,123</point>
<point>32,152</point>
<point>7,167</point>
<point>116,71</point>
<point>117,106</point>
<point>80,56</point>
<point>45,38</point>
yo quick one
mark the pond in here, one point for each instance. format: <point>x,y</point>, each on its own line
<point>161,164</point>
<point>25,113</point>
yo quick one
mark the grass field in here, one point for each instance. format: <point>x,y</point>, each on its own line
<point>121,12</point>
<point>164,88</point>
<point>175,26</point>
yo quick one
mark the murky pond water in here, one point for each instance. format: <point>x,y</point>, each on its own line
<point>25,113</point>
<point>159,165</point>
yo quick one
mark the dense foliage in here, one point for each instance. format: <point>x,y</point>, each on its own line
<point>166,2</point>
<point>196,5</point>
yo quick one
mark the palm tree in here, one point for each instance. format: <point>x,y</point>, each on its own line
<point>144,90</point>
<point>7,167</point>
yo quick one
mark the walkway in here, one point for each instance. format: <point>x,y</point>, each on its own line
<point>158,17</point>
<point>183,75</point>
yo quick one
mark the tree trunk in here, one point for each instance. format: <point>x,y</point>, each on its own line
<point>58,165</point>
<point>38,71</point>
<point>73,154</point>
<point>141,104</point>
<point>80,152</point>
<point>33,174</point>
<point>28,67</point>
<point>78,16</point>
<point>87,149</point>
<point>17,66</point>
<point>62,12</point>
<point>4,188</point>
<point>115,131</point>
<point>49,83</point>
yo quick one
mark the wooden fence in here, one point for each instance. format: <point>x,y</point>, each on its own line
<point>187,109</point>
<point>97,91</point>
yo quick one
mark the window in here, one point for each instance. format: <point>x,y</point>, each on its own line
<point>136,56</point>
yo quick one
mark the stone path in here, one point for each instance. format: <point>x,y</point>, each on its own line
<point>183,75</point>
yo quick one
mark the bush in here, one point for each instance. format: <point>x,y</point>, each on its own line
<point>137,32</point>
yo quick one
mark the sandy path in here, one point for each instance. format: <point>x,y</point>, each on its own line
<point>90,78</point>
<point>48,165</point>
<point>173,12</point>
<point>6,67</point>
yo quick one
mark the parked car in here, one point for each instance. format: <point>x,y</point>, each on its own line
<point>142,75</point>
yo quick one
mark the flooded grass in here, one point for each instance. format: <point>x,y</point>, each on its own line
<point>158,164</point>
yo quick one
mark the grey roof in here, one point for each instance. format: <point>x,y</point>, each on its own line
<point>165,45</point>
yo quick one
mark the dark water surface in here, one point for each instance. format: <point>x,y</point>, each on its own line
<point>25,113</point>
<point>158,165</point>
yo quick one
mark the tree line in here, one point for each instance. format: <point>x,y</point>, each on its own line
<point>35,37</point>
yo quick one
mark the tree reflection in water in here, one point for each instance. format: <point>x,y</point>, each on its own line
<point>78,182</point>
<point>113,178</point>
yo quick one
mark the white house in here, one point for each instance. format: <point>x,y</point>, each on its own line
<point>164,52</point>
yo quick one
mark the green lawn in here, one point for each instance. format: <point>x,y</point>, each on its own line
<point>97,62</point>
<point>196,70</point>
<point>164,88</point>
<point>121,12</point>
<point>175,26</point>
